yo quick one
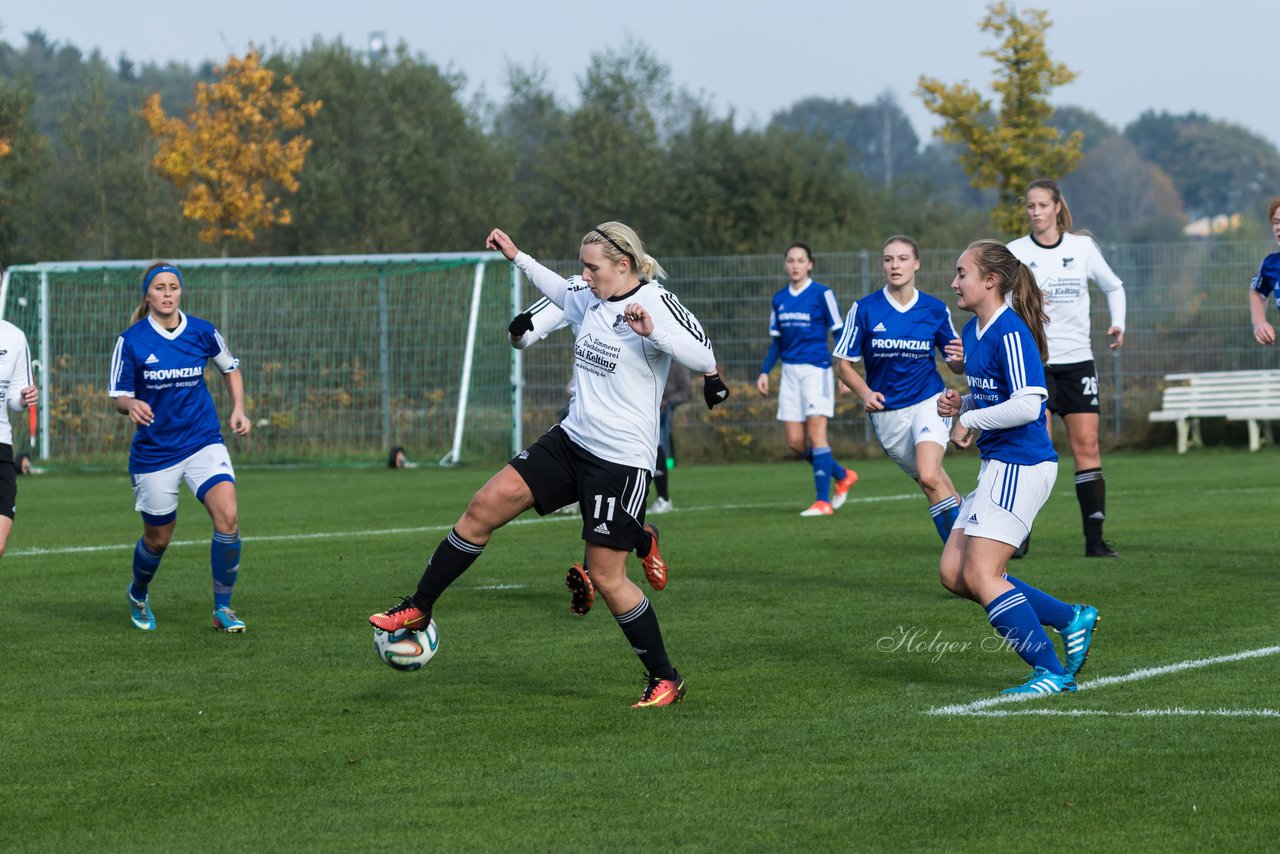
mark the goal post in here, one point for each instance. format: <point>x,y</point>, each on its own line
<point>344,356</point>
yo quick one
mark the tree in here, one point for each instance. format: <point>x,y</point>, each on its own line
<point>881,142</point>
<point>236,149</point>
<point>1119,196</point>
<point>1218,167</point>
<point>1093,128</point>
<point>1007,150</point>
<point>23,161</point>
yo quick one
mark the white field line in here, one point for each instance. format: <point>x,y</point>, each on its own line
<point>1175,712</point>
<point>977,707</point>
<point>426,529</point>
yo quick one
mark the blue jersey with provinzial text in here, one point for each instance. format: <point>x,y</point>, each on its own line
<point>166,370</point>
<point>1000,361</point>
<point>1267,281</point>
<point>800,322</point>
<point>897,343</point>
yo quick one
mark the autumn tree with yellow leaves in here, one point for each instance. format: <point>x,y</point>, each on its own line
<point>236,151</point>
<point>1008,149</point>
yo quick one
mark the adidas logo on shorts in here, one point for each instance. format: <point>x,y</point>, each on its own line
<point>973,519</point>
<point>602,528</point>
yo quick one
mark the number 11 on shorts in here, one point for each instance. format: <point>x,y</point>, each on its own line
<point>600,499</point>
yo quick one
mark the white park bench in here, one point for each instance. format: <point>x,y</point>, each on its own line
<point>1251,396</point>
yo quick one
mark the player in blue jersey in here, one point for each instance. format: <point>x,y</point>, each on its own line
<point>894,333</point>
<point>1266,283</point>
<point>157,380</point>
<point>803,313</point>
<point>1004,350</point>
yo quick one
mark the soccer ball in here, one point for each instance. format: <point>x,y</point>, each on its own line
<point>407,649</point>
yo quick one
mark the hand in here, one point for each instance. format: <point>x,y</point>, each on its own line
<point>873,402</point>
<point>30,397</point>
<point>714,391</point>
<point>954,351</point>
<point>240,423</point>
<point>961,436</point>
<point>498,240</point>
<point>638,319</point>
<point>1264,333</point>
<point>1117,333</point>
<point>762,385</point>
<point>950,403</point>
<point>520,324</point>
<point>140,413</point>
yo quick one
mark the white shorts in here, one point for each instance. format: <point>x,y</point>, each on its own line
<point>805,391</point>
<point>155,493</point>
<point>1007,500</point>
<point>900,430</point>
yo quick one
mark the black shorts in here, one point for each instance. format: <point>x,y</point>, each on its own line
<point>8,482</point>
<point>1072,388</point>
<point>611,496</point>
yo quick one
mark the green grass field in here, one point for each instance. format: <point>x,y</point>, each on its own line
<point>806,725</point>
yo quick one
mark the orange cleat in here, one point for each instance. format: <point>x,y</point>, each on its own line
<point>661,692</point>
<point>580,586</point>
<point>406,615</point>
<point>818,508</point>
<point>842,488</point>
<point>655,568</point>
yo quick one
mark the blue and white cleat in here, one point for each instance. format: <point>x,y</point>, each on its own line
<point>140,612</point>
<point>1042,683</point>
<point>225,620</point>
<point>1077,637</point>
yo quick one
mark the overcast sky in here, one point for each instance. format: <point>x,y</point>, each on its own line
<point>755,56</point>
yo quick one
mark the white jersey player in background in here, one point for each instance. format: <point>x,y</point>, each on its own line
<point>602,454</point>
<point>1063,264</point>
<point>17,392</point>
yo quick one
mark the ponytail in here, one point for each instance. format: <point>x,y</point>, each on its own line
<point>1018,283</point>
<point>139,312</point>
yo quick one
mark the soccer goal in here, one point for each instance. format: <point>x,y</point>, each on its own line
<point>344,356</point>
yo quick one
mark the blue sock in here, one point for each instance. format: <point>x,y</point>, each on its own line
<point>1014,618</point>
<point>822,473</point>
<point>944,514</point>
<point>837,471</point>
<point>1049,611</point>
<point>224,560</point>
<point>145,564</point>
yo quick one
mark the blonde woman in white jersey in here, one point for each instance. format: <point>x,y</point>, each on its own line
<point>17,392</point>
<point>602,455</point>
<point>1063,264</point>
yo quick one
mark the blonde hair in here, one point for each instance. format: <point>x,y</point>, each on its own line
<point>1064,213</point>
<point>1271,208</point>
<point>994,258</point>
<point>617,241</point>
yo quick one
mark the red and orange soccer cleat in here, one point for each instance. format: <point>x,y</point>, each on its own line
<point>406,615</point>
<point>842,487</point>
<point>661,692</point>
<point>655,568</point>
<point>580,586</point>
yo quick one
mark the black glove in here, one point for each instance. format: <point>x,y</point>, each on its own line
<point>714,391</point>
<point>520,324</point>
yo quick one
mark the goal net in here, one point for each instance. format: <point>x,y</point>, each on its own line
<point>344,357</point>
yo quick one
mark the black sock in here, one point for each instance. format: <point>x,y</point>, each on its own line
<point>1091,492</point>
<point>452,558</point>
<point>640,625</point>
<point>644,544</point>
<point>660,478</point>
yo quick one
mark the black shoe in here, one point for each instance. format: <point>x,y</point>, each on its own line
<point>1100,549</point>
<point>1021,551</point>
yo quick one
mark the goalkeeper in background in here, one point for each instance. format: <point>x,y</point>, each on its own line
<point>602,454</point>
